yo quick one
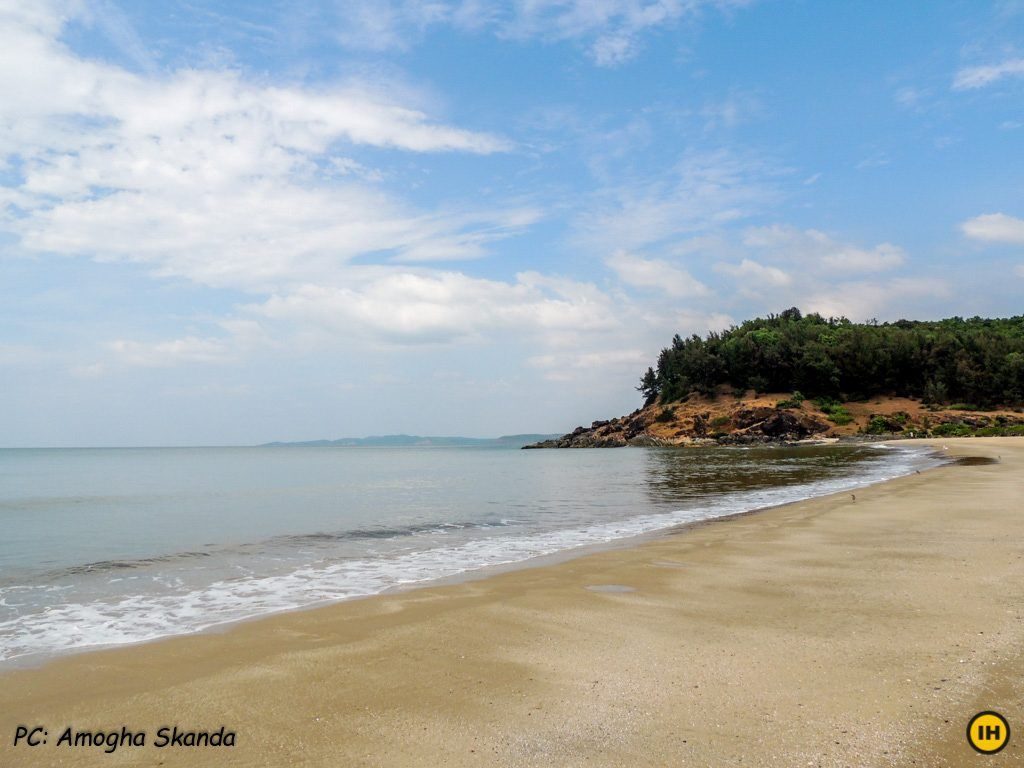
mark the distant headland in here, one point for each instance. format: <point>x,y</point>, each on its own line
<point>792,377</point>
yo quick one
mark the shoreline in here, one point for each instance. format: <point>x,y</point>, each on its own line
<point>714,650</point>
<point>483,572</point>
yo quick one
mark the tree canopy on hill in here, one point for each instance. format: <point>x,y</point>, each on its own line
<point>977,361</point>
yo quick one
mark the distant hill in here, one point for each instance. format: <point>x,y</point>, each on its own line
<point>401,441</point>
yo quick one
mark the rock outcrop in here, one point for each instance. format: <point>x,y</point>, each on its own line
<point>755,419</point>
<point>656,425</point>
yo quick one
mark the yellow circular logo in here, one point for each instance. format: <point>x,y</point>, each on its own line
<point>988,732</point>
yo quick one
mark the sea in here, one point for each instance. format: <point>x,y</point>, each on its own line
<point>104,547</point>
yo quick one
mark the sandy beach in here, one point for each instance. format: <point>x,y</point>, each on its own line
<point>832,632</point>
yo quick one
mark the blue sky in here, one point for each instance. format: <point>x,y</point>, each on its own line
<point>227,222</point>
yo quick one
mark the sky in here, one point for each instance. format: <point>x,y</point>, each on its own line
<point>233,222</point>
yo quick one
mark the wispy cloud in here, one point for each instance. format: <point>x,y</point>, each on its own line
<point>611,30</point>
<point>225,181</point>
<point>969,78</point>
<point>568,366</point>
<point>816,250</point>
<point>165,354</point>
<point>212,176</point>
<point>702,192</point>
<point>739,107</point>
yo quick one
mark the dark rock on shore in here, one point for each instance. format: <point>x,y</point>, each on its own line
<point>662,426</point>
<point>754,419</point>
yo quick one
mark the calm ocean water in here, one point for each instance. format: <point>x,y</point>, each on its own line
<point>109,546</point>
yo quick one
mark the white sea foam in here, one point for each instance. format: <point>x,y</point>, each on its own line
<point>177,609</point>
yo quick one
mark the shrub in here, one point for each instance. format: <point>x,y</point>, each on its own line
<point>826,404</point>
<point>793,401</point>
<point>1016,430</point>
<point>666,415</point>
<point>952,429</point>
<point>839,416</point>
<point>878,425</point>
<point>720,421</point>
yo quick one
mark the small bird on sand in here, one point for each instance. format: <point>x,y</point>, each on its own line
<point>853,496</point>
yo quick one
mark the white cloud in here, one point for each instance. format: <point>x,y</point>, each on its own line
<point>818,250</point>
<point>690,322</point>
<point>781,266</point>
<point>207,175</point>
<point>980,76</point>
<point>753,275</point>
<point>613,50</point>
<point>656,275</point>
<point>429,306</point>
<point>995,228</point>
<point>882,257</point>
<point>47,86</point>
<point>863,300</point>
<point>221,180</point>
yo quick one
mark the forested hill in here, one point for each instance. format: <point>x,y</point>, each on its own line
<point>977,361</point>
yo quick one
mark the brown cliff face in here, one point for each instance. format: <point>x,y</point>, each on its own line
<point>772,418</point>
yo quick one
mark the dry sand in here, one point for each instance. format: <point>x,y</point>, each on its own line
<point>828,632</point>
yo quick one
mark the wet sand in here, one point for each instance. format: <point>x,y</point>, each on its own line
<point>829,632</point>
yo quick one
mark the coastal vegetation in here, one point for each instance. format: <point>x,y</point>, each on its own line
<point>977,363</point>
<point>792,377</point>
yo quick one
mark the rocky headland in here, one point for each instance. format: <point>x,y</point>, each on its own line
<point>750,418</point>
